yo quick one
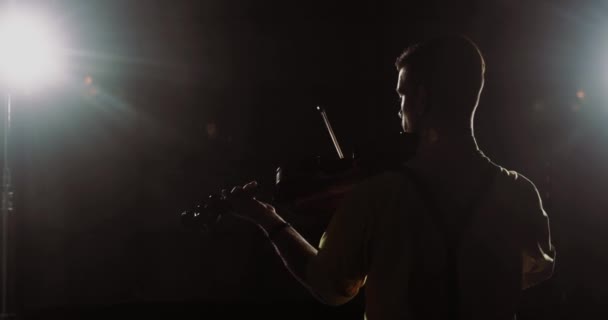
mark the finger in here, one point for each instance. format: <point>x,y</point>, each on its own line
<point>236,190</point>
<point>263,204</point>
<point>236,194</point>
<point>267,206</point>
<point>250,186</point>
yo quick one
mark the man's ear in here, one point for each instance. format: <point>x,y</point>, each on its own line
<point>422,101</point>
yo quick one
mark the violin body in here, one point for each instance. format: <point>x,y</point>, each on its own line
<point>312,185</point>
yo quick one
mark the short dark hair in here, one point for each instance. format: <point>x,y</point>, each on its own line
<point>451,62</point>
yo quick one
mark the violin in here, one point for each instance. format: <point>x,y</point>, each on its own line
<point>312,185</point>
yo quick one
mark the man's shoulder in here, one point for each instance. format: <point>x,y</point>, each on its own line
<point>517,182</point>
<point>518,193</point>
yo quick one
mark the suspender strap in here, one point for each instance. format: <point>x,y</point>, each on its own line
<point>451,238</point>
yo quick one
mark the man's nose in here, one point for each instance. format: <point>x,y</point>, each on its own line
<point>400,114</point>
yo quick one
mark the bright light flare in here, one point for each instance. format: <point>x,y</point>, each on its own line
<point>29,51</point>
<point>581,94</point>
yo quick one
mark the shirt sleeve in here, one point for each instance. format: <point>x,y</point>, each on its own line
<point>339,270</point>
<point>538,254</point>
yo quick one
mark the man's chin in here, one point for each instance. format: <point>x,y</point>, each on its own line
<point>406,127</point>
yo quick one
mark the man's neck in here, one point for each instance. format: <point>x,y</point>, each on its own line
<point>451,150</point>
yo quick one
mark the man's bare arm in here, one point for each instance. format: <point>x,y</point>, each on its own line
<point>297,253</point>
<point>293,249</point>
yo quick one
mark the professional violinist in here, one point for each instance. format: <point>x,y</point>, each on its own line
<point>451,235</point>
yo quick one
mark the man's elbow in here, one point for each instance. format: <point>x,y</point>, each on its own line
<point>332,299</point>
<point>330,287</point>
<point>537,266</point>
<point>338,294</point>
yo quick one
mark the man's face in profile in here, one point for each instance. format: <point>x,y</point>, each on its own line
<point>405,101</point>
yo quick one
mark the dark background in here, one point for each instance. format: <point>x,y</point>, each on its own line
<point>189,97</point>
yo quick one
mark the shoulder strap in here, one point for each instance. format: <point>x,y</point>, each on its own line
<point>450,238</point>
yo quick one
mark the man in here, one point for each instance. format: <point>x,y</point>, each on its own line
<point>451,236</point>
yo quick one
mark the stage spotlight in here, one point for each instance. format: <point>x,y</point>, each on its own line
<point>29,59</point>
<point>29,51</point>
